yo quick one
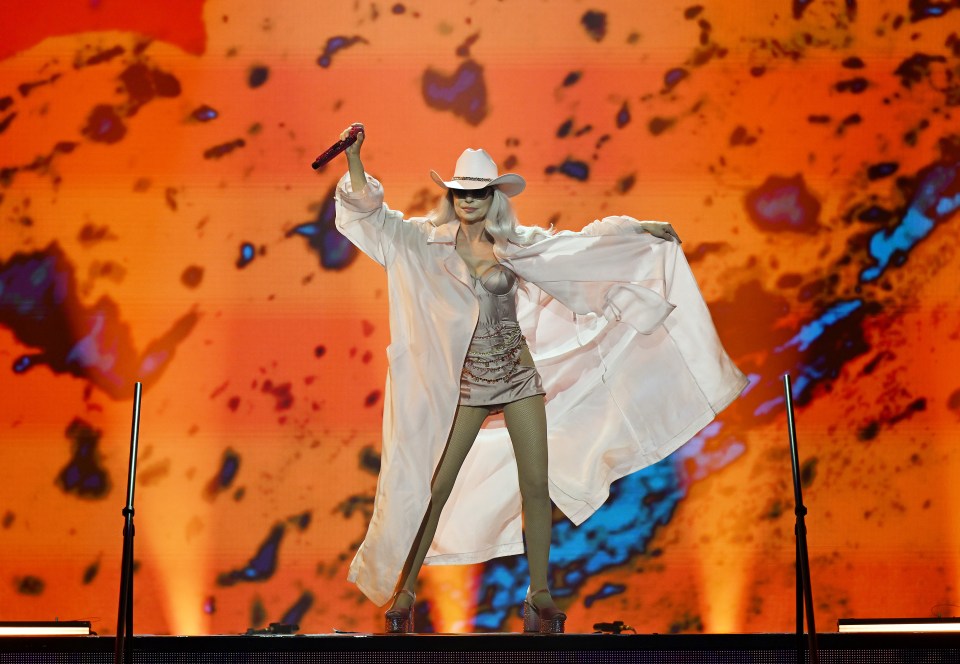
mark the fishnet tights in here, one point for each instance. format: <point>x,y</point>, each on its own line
<point>527,424</point>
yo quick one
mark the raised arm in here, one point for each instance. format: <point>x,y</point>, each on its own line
<point>622,225</point>
<point>358,179</point>
<point>362,217</point>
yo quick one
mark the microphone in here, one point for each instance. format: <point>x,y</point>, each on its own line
<point>337,148</point>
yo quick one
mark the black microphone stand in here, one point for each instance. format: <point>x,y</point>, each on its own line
<point>123,648</point>
<point>804,588</point>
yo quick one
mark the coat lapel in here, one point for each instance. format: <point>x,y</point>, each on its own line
<point>446,235</point>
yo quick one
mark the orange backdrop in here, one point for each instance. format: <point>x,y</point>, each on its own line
<point>159,222</point>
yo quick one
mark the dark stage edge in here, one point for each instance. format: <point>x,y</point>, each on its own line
<point>493,648</point>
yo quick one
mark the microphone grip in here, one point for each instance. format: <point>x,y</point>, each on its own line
<point>336,148</point>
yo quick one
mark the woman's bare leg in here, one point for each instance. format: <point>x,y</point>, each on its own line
<point>466,426</point>
<point>526,421</point>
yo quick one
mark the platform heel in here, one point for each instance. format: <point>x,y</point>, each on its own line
<point>542,621</point>
<point>400,621</point>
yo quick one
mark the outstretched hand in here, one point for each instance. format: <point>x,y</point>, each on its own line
<point>662,230</point>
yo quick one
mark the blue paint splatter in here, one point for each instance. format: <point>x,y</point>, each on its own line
<point>947,205</point>
<point>247,254</point>
<point>607,590</point>
<point>923,9</point>
<point>694,461</point>
<point>768,406</point>
<point>830,341</point>
<point>335,44</point>
<point>937,185</point>
<point>84,476</point>
<point>263,564</point>
<point>621,529</point>
<point>335,251</point>
<point>24,362</point>
<point>813,330</point>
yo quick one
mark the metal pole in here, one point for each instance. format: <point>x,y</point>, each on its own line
<point>123,648</point>
<point>804,587</point>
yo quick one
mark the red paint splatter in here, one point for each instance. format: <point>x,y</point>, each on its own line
<point>179,22</point>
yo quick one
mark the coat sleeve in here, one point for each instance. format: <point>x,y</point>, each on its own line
<point>612,269</point>
<point>618,225</point>
<point>364,219</point>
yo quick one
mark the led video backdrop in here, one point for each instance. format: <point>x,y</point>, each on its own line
<point>159,222</point>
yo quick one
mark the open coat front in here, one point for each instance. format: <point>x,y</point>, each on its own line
<point>629,358</point>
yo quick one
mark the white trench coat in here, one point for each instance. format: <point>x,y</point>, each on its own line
<point>624,343</point>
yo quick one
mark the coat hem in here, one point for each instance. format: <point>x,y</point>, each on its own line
<point>472,557</point>
<point>592,503</point>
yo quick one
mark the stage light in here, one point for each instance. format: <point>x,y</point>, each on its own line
<point>898,625</point>
<point>56,628</point>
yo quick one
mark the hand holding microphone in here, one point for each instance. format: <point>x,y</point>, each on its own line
<point>350,140</point>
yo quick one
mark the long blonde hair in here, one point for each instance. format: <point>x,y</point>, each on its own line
<point>501,222</point>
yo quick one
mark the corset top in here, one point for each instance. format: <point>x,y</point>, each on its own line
<point>497,280</point>
<point>496,292</point>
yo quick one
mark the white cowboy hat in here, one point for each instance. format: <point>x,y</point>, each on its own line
<point>476,170</point>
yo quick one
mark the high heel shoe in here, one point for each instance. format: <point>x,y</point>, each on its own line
<point>400,621</point>
<point>544,621</point>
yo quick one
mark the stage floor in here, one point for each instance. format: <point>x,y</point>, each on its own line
<point>494,648</point>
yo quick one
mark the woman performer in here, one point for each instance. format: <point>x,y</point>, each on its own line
<point>474,298</point>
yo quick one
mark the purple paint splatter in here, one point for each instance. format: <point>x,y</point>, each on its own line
<point>294,615</point>
<point>204,114</point>
<point>784,204</point>
<point>578,170</point>
<point>218,151</point>
<point>595,23</point>
<point>257,76</point>
<point>39,303</point>
<point>226,474</point>
<point>104,125</point>
<point>84,476</point>
<point>464,92</point>
<point>263,564</point>
<point>335,44</point>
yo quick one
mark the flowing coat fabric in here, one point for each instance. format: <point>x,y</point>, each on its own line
<point>627,351</point>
